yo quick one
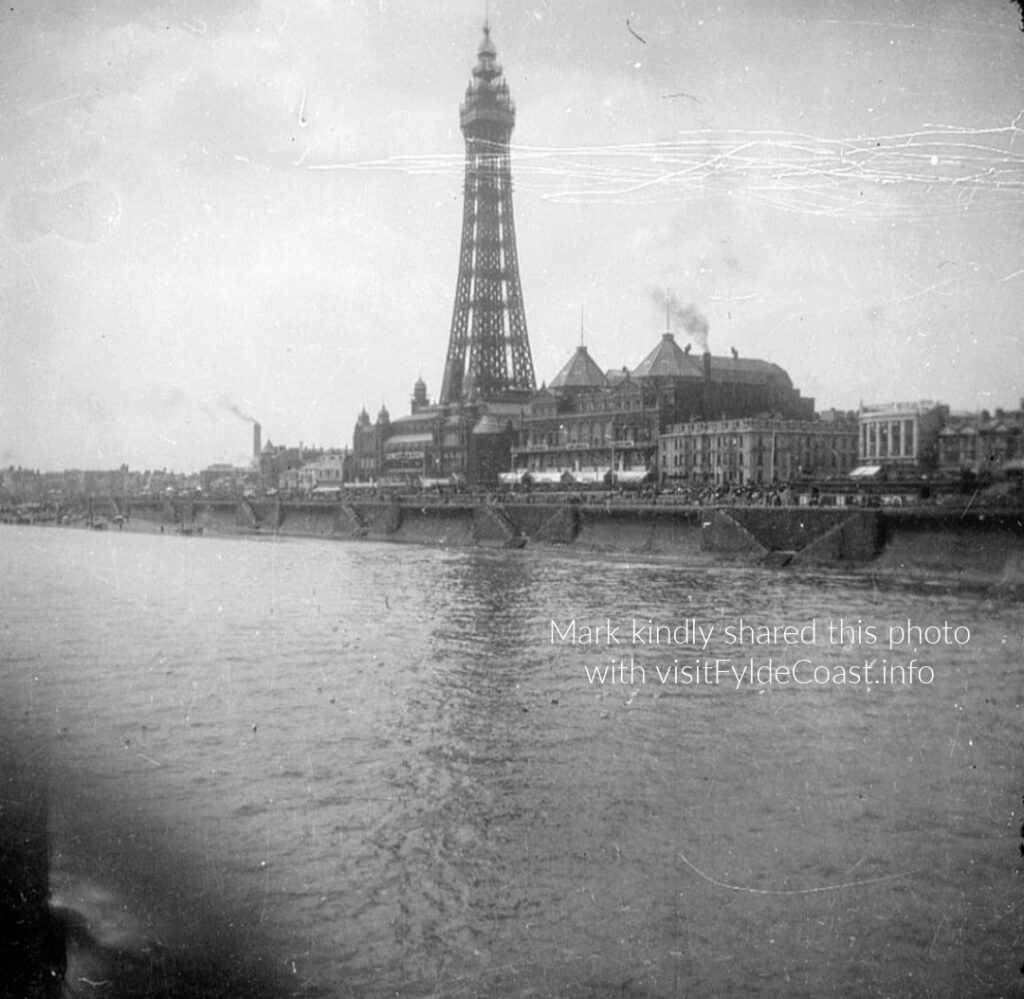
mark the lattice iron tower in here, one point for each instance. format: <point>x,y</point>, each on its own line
<point>488,349</point>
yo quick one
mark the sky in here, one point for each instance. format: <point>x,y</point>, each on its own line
<point>232,210</point>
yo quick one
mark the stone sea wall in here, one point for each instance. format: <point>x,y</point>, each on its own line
<point>920,543</point>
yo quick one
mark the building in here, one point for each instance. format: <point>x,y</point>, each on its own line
<point>980,445</point>
<point>754,450</point>
<point>368,446</point>
<point>228,480</point>
<point>900,438</point>
<point>713,387</point>
<point>278,466</point>
<point>594,425</point>
<point>587,423</point>
<point>325,473</point>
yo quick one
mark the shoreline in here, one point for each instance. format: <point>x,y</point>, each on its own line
<point>981,549</point>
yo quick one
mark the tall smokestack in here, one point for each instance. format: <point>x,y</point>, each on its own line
<point>707,365</point>
<point>257,443</point>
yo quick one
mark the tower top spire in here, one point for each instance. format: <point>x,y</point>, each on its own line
<point>487,99</point>
<point>487,67</point>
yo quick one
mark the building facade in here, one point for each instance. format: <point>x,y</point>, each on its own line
<point>757,450</point>
<point>901,438</point>
<point>598,425</point>
<point>325,473</point>
<point>981,444</point>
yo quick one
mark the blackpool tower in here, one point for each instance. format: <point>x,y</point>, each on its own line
<point>488,349</point>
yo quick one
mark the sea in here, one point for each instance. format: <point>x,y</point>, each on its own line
<point>370,769</point>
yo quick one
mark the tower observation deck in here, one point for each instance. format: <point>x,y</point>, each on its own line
<point>488,348</point>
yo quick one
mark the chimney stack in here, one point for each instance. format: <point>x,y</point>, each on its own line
<point>257,443</point>
<point>707,365</point>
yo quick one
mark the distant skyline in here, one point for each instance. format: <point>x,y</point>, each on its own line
<point>229,211</point>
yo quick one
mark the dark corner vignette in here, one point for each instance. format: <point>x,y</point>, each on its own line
<point>63,936</point>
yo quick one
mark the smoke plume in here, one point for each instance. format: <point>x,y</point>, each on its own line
<point>232,408</point>
<point>686,315</point>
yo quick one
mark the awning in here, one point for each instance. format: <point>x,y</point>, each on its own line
<point>632,475</point>
<point>591,475</point>
<point>552,477</point>
<point>510,478</point>
<point>320,490</point>
<point>865,471</point>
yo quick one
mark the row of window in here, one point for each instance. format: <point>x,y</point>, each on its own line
<point>972,447</point>
<point>561,438</point>
<point>829,460</point>
<point>845,445</point>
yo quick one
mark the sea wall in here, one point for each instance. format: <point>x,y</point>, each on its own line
<point>973,546</point>
<point>640,529</point>
<point>805,535</point>
<point>307,520</point>
<point>903,542</point>
<point>546,523</point>
<point>443,525</point>
<point>187,515</point>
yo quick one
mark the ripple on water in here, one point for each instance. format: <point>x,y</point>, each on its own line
<point>381,750</point>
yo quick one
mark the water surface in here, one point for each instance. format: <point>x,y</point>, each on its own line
<point>379,756</point>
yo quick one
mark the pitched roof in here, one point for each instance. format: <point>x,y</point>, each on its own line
<point>748,370</point>
<point>668,360</point>
<point>581,371</point>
